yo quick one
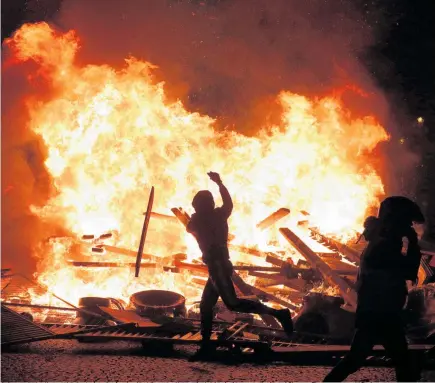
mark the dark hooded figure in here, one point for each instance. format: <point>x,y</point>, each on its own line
<point>210,228</point>
<point>382,289</point>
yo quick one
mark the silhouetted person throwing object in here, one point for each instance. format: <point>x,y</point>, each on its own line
<point>382,289</point>
<point>210,228</point>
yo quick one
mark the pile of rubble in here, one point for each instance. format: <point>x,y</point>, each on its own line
<point>161,316</point>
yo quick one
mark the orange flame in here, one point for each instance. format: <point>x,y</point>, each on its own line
<point>112,134</point>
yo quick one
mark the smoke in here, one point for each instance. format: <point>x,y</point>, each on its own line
<point>24,178</point>
<point>227,59</point>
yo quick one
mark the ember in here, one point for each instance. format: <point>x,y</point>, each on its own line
<point>111,134</point>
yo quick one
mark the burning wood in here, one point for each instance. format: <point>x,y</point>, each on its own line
<point>109,264</point>
<point>122,251</point>
<point>248,290</point>
<point>273,218</point>
<point>170,218</point>
<point>203,268</point>
<point>348,252</point>
<point>181,215</point>
<point>144,232</point>
<point>330,276</point>
<point>279,279</point>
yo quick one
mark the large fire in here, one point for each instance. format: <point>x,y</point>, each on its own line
<point>112,134</point>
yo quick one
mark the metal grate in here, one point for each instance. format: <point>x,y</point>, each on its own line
<point>16,329</point>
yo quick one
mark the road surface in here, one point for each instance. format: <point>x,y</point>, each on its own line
<point>70,361</point>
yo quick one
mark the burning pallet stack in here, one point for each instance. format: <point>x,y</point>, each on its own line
<point>281,282</point>
<point>301,287</point>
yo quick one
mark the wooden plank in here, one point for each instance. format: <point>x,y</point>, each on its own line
<point>203,268</point>
<point>288,291</point>
<point>273,218</point>
<point>110,264</point>
<point>246,289</point>
<point>181,216</point>
<point>273,280</point>
<point>247,250</point>
<point>121,251</point>
<point>316,262</point>
<point>252,290</point>
<point>163,216</point>
<point>144,232</point>
<point>351,254</point>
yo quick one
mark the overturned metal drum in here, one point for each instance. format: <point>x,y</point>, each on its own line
<point>159,302</point>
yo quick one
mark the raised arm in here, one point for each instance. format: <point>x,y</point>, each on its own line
<point>227,206</point>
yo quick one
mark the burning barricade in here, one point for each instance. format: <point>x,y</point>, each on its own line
<point>111,133</point>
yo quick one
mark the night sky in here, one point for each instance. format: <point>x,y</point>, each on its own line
<point>402,61</point>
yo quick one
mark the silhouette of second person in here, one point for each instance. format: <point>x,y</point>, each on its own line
<point>210,228</point>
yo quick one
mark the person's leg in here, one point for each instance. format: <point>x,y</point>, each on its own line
<point>362,344</point>
<point>221,276</point>
<point>208,300</point>
<point>396,346</point>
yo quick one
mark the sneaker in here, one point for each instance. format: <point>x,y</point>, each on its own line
<point>205,352</point>
<point>285,319</point>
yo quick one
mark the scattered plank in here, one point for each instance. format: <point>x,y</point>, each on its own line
<point>333,244</point>
<point>331,277</point>
<point>273,280</point>
<point>144,232</point>
<point>121,251</point>
<point>182,216</point>
<point>110,264</point>
<point>273,218</point>
<point>252,290</point>
<point>163,216</point>
<point>246,289</point>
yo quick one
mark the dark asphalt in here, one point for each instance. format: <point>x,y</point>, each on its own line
<point>70,361</point>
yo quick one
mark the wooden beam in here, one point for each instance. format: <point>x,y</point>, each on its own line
<point>246,289</point>
<point>120,250</point>
<point>279,279</point>
<point>333,244</point>
<point>273,218</point>
<point>331,277</point>
<point>203,268</point>
<point>182,216</point>
<point>109,264</point>
<point>144,232</point>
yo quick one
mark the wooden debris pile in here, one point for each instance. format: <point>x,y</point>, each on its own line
<point>278,280</point>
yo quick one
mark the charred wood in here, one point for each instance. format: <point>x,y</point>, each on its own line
<point>333,244</point>
<point>331,277</point>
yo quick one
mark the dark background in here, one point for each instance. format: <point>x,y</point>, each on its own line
<point>402,62</point>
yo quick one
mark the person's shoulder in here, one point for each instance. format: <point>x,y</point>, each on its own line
<point>219,211</point>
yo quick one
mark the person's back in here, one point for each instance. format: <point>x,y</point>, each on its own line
<point>381,285</point>
<point>209,225</point>
<point>211,232</point>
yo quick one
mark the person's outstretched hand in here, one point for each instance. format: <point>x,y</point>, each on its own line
<point>215,177</point>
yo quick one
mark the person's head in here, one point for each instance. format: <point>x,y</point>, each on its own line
<point>203,202</point>
<point>397,214</point>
